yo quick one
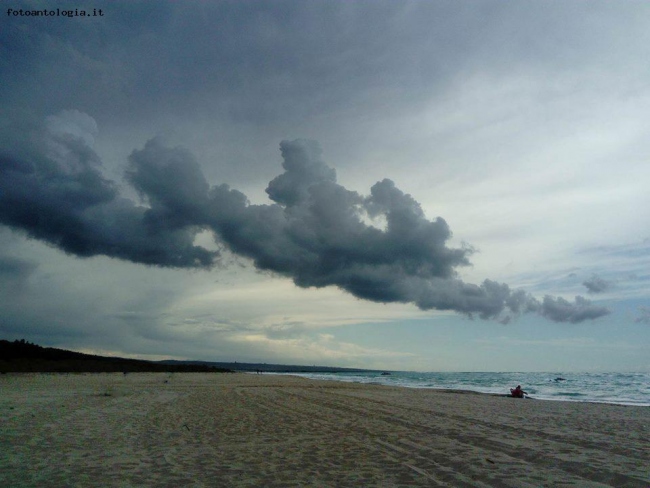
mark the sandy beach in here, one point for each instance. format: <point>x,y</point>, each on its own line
<point>220,430</point>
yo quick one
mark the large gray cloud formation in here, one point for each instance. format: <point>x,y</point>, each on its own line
<point>51,186</point>
<point>316,232</point>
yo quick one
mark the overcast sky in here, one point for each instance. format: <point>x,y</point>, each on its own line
<point>412,185</point>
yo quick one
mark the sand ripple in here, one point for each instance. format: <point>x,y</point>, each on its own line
<point>212,430</point>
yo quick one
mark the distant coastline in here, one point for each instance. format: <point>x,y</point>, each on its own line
<point>20,356</point>
<point>273,368</point>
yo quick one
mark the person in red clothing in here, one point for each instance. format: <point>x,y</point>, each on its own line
<point>518,392</point>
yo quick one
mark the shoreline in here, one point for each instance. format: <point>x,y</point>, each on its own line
<point>503,393</point>
<point>208,429</point>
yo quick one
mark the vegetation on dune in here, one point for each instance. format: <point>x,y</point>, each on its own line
<point>24,357</point>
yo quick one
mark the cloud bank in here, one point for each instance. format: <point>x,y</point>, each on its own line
<point>378,247</point>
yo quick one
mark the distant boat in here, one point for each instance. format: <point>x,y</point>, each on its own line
<point>559,379</point>
<point>385,373</point>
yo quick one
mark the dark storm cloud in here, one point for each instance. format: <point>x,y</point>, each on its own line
<point>52,188</point>
<point>316,232</point>
<point>250,61</point>
<point>561,310</point>
<point>595,284</point>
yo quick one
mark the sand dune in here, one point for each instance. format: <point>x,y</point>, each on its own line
<point>195,430</point>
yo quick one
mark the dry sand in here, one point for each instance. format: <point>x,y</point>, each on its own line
<point>220,430</point>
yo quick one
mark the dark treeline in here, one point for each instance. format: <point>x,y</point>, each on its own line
<point>24,357</point>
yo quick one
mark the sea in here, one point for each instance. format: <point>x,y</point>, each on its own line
<point>615,388</point>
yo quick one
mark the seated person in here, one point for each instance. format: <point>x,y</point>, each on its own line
<point>518,392</point>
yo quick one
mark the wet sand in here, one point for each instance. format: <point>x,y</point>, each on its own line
<point>221,430</point>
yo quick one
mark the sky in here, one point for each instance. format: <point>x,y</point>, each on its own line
<point>396,185</point>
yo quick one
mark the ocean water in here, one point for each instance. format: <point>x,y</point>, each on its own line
<point>617,388</point>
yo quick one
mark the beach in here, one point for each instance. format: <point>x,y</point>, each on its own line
<point>249,430</point>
